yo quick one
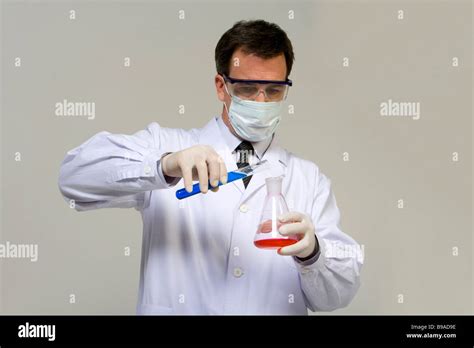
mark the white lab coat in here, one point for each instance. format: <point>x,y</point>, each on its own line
<point>198,255</point>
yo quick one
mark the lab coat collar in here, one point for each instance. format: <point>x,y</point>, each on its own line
<point>233,141</point>
<point>230,139</point>
<point>275,155</point>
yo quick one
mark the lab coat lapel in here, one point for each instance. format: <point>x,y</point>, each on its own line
<point>211,135</point>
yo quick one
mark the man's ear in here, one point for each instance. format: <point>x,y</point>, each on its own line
<point>220,89</point>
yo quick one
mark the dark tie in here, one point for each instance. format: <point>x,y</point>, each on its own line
<point>244,151</point>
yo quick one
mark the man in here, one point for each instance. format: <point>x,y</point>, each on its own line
<point>198,255</point>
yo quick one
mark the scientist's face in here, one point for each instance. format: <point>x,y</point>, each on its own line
<point>249,67</point>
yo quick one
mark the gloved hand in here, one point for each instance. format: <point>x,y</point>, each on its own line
<point>301,225</point>
<point>198,162</point>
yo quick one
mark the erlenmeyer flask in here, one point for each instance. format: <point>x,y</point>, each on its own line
<point>267,235</point>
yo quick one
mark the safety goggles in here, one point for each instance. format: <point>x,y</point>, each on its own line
<point>250,89</point>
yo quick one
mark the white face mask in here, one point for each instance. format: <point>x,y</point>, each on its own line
<point>254,121</point>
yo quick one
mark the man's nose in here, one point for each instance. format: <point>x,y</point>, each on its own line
<point>260,96</point>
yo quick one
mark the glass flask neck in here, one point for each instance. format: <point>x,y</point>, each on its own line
<point>274,185</point>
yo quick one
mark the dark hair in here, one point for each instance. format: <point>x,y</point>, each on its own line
<point>263,39</point>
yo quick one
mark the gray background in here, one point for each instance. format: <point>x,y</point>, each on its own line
<point>407,251</point>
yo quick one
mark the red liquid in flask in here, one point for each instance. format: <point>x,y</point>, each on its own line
<point>274,243</point>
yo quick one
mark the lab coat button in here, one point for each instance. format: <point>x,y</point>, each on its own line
<point>147,170</point>
<point>238,272</point>
<point>244,208</point>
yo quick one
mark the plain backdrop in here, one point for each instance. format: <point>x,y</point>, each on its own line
<point>422,251</point>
